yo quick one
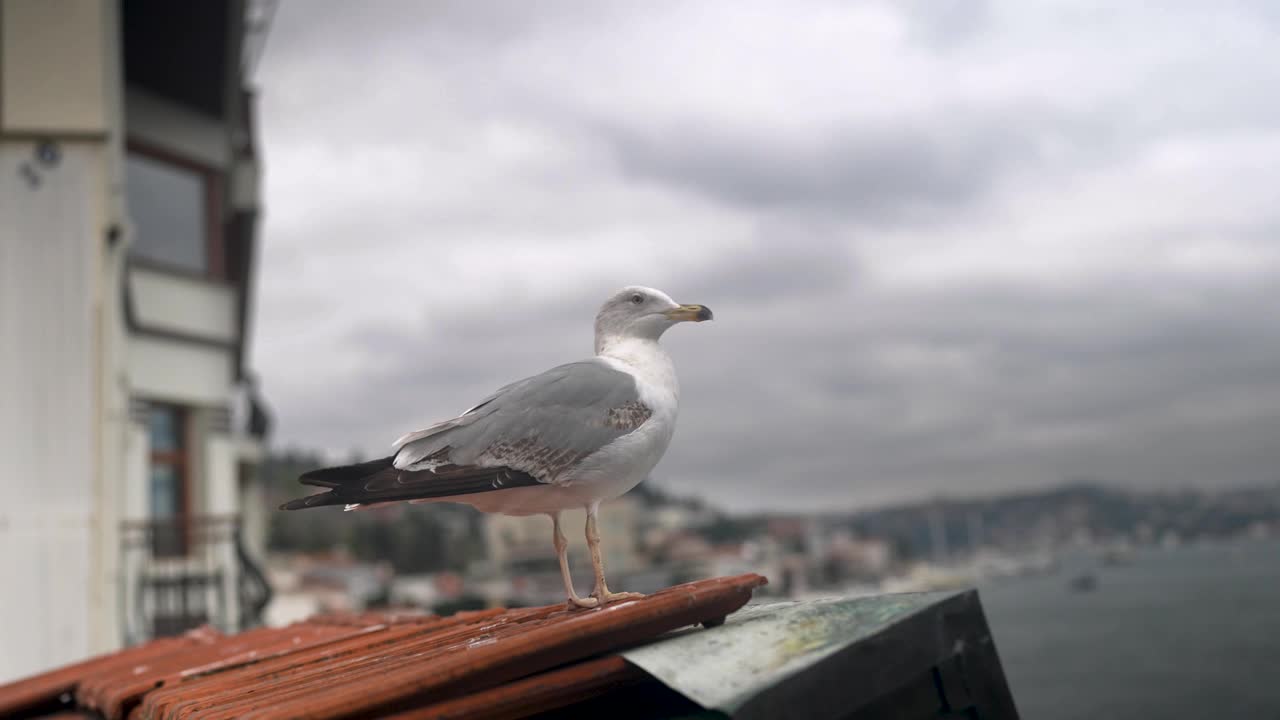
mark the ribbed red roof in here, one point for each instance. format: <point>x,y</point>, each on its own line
<point>333,666</point>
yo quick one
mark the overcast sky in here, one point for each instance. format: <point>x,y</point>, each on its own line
<point>952,247</point>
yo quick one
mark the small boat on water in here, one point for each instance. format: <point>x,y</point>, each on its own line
<point>1084,582</point>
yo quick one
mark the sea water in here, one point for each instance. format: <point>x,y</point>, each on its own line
<point>1191,632</point>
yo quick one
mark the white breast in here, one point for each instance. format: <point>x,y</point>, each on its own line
<point>622,464</point>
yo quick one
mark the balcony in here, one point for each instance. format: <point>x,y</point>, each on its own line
<point>183,572</point>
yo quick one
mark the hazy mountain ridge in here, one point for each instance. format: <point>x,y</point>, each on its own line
<point>444,536</point>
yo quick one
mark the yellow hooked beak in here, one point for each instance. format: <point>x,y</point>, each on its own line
<point>694,313</point>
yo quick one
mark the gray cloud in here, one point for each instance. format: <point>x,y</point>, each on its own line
<point>869,174</point>
<point>949,252</point>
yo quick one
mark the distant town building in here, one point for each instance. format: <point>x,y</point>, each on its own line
<point>130,426</point>
<point>522,544</point>
<point>852,559</point>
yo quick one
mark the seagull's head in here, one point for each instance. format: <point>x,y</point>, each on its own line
<point>646,313</point>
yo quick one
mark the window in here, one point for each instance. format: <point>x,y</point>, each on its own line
<point>167,488</point>
<point>173,206</point>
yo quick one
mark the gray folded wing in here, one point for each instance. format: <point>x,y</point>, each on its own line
<point>543,425</point>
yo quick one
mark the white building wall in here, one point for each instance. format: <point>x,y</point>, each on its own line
<point>73,464</point>
<point>178,372</point>
<point>222,499</point>
<point>164,301</point>
<point>52,73</point>
<point>134,500</point>
<point>48,413</point>
<point>62,388</point>
<point>112,391</point>
<point>255,516</point>
<point>221,492</point>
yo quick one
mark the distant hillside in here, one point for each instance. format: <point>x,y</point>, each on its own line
<point>1075,511</point>
<point>417,538</point>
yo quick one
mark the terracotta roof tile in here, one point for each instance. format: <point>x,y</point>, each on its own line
<point>334,666</point>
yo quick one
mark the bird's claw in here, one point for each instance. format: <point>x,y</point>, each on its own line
<point>607,597</point>
<point>583,602</point>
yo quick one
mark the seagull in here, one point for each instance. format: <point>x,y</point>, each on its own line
<point>573,436</point>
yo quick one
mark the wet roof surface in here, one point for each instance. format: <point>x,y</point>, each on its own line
<point>492,662</point>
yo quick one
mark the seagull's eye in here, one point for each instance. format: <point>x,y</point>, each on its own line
<point>637,298</point>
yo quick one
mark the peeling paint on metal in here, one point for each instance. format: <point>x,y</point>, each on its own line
<point>724,667</point>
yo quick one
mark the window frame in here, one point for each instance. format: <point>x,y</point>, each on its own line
<point>180,460</point>
<point>214,206</point>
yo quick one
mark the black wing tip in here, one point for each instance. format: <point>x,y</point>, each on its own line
<point>366,484</point>
<point>310,501</point>
<point>332,477</point>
